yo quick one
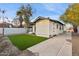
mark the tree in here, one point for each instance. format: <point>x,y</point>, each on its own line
<point>24,13</point>
<point>71,15</point>
<point>3,12</point>
<point>20,17</point>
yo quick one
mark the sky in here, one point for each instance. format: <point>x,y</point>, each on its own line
<point>52,10</point>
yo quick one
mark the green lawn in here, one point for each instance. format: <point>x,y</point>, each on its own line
<point>23,41</point>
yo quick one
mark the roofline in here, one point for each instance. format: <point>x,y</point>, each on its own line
<point>42,18</point>
<point>56,21</point>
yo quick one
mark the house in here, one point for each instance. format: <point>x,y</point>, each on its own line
<point>47,27</point>
<point>68,27</point>
<point>76,29</point>
<point>5,24</point>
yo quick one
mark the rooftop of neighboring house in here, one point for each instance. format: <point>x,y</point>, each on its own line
<point>42,18</point>
<point>5,24</point>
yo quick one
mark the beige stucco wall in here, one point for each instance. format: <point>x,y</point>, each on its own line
<point>33,28</point>
<point>53,30</point>
<point>60,31</point>
<point>46,28</point>
<point>42,28</point>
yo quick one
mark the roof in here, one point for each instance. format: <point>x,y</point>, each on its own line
<point>5,24</point>
<point>42,18</point>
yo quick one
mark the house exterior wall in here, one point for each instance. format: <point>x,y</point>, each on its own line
<point>57,28</point>
<point>34,28</point>
<point>78,29</point>
<point>54,28</point>
<point>47,28</point>
<point>42,28</point>
<point>60,28</point>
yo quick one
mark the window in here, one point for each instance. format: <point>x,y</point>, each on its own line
<point>60,27</point>
<point>57,26</point>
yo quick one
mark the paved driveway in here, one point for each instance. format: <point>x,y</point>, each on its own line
<point>56,46</point>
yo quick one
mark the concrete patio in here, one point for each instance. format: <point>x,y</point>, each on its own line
<point>57,46</point>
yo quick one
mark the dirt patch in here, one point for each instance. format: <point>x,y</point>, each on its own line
<point>75,44</point>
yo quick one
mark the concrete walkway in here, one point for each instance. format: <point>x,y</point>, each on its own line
<point>57,46</point>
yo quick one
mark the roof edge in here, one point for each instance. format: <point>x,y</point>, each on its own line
<point>42,18</point>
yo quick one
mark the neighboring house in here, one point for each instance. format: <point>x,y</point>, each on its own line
<point>78,29</point>
<point>16,23</point>
<point>47,27</point>
<point>68,27</point>
<point>5,25</point>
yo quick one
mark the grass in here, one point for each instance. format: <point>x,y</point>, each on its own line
<point>23,41</point>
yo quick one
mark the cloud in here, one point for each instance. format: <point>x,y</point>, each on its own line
<point>55,17</point>
<point>52,10</point>
<point>58,8</point>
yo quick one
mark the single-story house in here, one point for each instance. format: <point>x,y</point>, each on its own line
<point>47,27</point>
<point>5,24</point>
<point>76,29</point>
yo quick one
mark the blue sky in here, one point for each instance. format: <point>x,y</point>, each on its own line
<point>52,10</point>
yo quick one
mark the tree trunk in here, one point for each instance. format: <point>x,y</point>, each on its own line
<point>75,29</point>
<point>21,20</point>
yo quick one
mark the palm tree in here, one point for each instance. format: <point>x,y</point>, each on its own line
<point>24,13</point>
<point>20,17</point>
